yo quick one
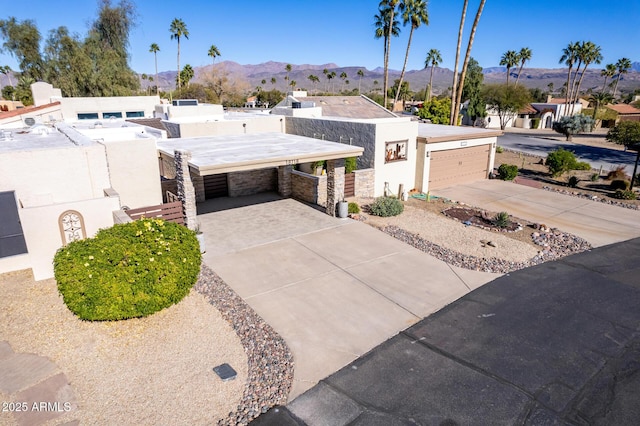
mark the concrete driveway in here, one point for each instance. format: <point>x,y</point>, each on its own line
<point>596,222</point>
<point>332,288</point>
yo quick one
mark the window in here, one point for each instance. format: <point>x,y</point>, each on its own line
<point>11,236</point>
<point>395,151</point>
<point>71,226</point>
<point>111,115</point>
<point>87,116</point>
<point>134,114</point>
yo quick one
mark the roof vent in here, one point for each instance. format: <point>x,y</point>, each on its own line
<point>29,121</point>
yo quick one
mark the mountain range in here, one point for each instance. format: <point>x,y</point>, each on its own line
<point>373,79</point>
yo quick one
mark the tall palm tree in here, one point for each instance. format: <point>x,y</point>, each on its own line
<point>609,71</point>
<point>343,77</point>
<point>178,29</point>
<point>331,76</point>
<point>433,59</point>
<point>313,79</point>
<point>465,63</point>
<point>360,75</point>
<point>288,70</point>
<point>623,66</point>
<point>589,53</point>
<point>523,56</point>
<point>415,13</point>
<point>509,59</point>
<point>154,48</point>
<point>386,26</point>
<point>598,99</point>
<point>214,52</point>
<point>569,58</point>
<point>454,86</point>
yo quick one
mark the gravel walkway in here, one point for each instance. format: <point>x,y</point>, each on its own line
<point>270,363</point>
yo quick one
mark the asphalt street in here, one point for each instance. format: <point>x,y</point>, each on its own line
<point>596,156</point>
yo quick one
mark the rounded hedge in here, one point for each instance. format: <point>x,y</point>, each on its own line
<point>508,171</point>
<point>387,206</point>
<point>129,270</point>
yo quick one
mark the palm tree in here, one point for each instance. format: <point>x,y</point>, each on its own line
<point>314,79</point>
<point>609,71</point>
<point>414,12</point>
<point>288,70</point>
<point>623,66</point>
<point>598,99</point>
<point>509,59</point>
<point>569,57</point>
<point>523,56</point>
<point>154,48</point>
<point>186,75</point>
<point>386,26</point>
<point>178,29</point>
<point>465,63</point>
<point>588,53</point>
<point>331,76</point>
<point>454,87</point>
<point>360,75</point>
<point>433,59</point>
<point>326,74</point>
<point>343,77</point>
<point>150,79</point>
<point>214,53</point>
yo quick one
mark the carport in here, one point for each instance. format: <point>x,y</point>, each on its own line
<point>217,155</point>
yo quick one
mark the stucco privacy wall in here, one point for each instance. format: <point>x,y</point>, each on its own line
<point>397,172</point>
<point>71,107</point>
<point>55,175</point>
<point>42,231</point>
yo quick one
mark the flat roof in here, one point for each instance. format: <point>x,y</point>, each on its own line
<point>231,153</point>
<point>14,140</point>
<point>430,133</point>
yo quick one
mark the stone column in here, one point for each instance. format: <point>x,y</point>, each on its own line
<point>186,192</point>
<point>284,181</point>
<point>335,184</point>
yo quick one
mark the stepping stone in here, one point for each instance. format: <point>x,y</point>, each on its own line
<point>47,400</point>
<point>5,350</point>
<point>20,371</point>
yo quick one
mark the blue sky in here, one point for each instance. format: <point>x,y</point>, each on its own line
<point>341,31</point>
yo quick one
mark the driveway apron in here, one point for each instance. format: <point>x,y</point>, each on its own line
<point>332,288</point>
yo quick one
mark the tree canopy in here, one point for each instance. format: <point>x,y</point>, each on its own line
<point>505,100</point>
<point>574,124</point>
<point>627,133</point>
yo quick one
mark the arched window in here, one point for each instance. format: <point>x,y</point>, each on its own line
<point>71,227</point>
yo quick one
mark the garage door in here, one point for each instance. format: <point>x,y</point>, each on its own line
<point>456,166</point>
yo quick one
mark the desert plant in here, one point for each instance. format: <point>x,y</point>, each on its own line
<point>350,164</point>
<point>595,177</point>
<point>508,171</point>
<point>561,160</point>
<point>501,220</point>
<point>129,270</point>
<point>574,124</point>
<point>387,206</point>
<point>618,184</point>
<point>617,173</point>
<point>535,123</point>
<point>499,149</point>
<point>353,208</point>
<point>625,194</point>
<point>573,181</point>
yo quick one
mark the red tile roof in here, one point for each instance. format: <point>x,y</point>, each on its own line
<point>624,109</point>
<point>25,110</point>
<point>528,109</point>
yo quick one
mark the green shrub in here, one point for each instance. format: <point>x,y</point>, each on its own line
<point>560,161</point>
<point>625,194</point>
<point>582,165</point>
<point>573,181</point>
<point>353,208</point>
<point>535,123</point>
<point>129,270</point>
<point>508,171</point>
<point>620,184</point>
<point>499,149</point>
<point>350,164</point>
<point>386,206</point>
<point>595,177</point>
<point>501,220</point>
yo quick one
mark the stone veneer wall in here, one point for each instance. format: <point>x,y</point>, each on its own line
<point>252,182</point>
<point>365,184</point>
<point>361,134</point>
<point>309,188</point>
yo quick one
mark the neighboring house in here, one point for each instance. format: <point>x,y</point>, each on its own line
<point>548,112</point>
<point>60,183</point>
<point>621,112</point>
